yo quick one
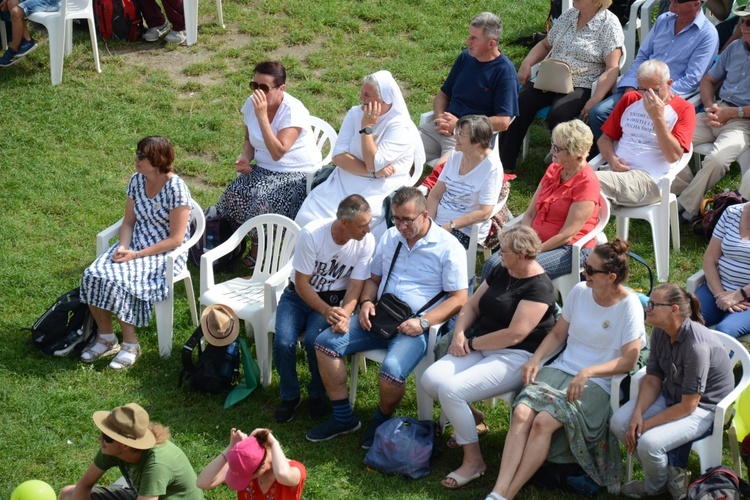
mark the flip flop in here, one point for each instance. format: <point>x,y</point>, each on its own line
<point>460,480</point>
<point>482,429</point>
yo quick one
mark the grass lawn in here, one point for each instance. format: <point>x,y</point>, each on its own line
<point>67,154</point>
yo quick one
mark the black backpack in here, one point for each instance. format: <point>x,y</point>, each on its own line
<point>217,369</point>
<point>65,327</point>
<point>719,203</point>
<point>218,230</point>
<point>718,483</point>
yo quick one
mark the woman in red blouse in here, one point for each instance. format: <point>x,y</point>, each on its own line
<point>256,468</point>
<point>565,205</point>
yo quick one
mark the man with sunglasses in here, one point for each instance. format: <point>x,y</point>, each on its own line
<point>683,39</point>
<point>416,260</point>
<point>654,128</point>
<point>153,467</point>
<point>725,122</point>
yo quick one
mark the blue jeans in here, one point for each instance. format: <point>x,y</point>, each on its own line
<point>599,113</point>
<point>293,318</point>
<point>404,352</point>
<point>733,324</point>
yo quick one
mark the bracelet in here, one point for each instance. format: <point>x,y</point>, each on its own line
<point>365,300</point>
<point>471,344</point>
<point>224,455</point>
<point>136,254</point>
<point>744,293</point>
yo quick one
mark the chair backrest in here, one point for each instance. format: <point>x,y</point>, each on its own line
<point>276,236</point>
<point>737,354</point>
<point>197,216</point>
<point>325,136</point>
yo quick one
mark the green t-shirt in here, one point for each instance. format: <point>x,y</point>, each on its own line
<point>162,471</point>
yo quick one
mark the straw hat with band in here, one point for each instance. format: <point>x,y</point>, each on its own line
<point>220,325</point>
<point>244,460</point>
<point>127,425</point>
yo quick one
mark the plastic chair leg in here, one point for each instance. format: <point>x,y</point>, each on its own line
<point>623,227</point>
<point>263,352</point>
<point>191,299</point>
<point>220,13</point>
<point>95,48</point>
<point>56,50</point>
<point>674,222</point>
<point>191,22</point>
<point>661,248</point>
<point>165,324</point>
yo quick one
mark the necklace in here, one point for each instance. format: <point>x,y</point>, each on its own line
<point>511,283</point>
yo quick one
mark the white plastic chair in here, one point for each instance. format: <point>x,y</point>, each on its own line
<point>191,19</point>
<point>564,284</point>
<point>424,401</point>
<point>277,236</point>
<point>709,449</point>
<point>660,215</point>
<point>323,134</point>
<point>60,29</point>
<point>164,310</point>
<point>471,252</point>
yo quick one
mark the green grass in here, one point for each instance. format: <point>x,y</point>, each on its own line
<point>67,153</point>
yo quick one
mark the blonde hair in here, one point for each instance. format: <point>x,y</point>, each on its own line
<point>603,4</point>
<point>574,136</point>
<point>522,240</point>
<point>161,432</point>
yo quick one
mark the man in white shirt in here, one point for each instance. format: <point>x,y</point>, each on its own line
<point>416,260</point>
<point>330,265</point>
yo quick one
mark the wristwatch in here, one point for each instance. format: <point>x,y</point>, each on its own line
<point>453,225</point>
<point>424,323</point>
<point>740,112</point>
<point>366,131</point>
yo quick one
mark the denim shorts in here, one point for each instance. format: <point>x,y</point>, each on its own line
<point>404,352</point>
<point>31,6</point>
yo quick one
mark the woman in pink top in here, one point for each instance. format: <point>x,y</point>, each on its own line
<point>565,205</point>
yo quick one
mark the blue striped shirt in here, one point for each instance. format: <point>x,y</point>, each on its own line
<point>734,263</point>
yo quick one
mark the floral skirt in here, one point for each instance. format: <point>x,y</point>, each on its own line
<point>585,437</point>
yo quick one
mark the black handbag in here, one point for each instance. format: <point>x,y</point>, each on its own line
<point>390,311</point>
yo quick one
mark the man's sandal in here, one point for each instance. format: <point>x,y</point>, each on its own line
<point>125,358</point>
<point>91,354</point>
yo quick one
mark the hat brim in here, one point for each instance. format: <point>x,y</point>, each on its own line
<point>742,11</point>
<point>220,341</point>
<point>146,442</point>
<point>237,483</point>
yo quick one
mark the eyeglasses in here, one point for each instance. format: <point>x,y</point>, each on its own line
<point>141,156</point>
<point>459,133</point>
<point>556,149</point>
<point>591,271</point>
<point>107,439</point>
<point>262,86</point>
<point>397,221</point>
<point>644,90</point>
<point>651,304</point>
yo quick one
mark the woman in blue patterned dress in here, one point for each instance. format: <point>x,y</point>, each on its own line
<point>126,280</point>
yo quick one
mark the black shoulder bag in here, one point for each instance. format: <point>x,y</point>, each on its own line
<point>390,311</point>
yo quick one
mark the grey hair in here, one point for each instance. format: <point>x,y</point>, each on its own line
<point>573,136</point>
<point>408,194</point>
<point>479,128</point>
<point>352,206</point>
<point>521,240</point>
<point>654,68</point>
<point>374,81</point>
<point>490,24</point>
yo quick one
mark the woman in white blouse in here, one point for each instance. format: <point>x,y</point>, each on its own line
<point>376,147</point>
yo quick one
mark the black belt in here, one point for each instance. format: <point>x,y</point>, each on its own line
<point>331,297</point>
<point>731,105</point>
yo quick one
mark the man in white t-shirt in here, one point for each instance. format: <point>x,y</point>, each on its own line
<point>330,265</point>
<point>654,128</point>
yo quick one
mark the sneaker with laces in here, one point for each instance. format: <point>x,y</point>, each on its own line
<point>26,48</point>
<point>319,408</point>
<point>153,34</point>
<point>330,429</point>
<point>178,37</point>
<point>637,489</point>
<point>677,482</point>
<point>9,58</point>
<point>285,411</point>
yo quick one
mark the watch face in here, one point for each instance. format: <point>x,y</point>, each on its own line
<point>424,323</point>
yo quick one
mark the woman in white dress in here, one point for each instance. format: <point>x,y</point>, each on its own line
<point>376,147</point>
<point>126,280</point>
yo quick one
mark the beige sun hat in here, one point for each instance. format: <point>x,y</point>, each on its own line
<point>127,425</point>
<point>742,10</point>
<point>220,325</point>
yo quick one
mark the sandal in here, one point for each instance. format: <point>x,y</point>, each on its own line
<point>125,358</point>
<point>459,481</point>
<point>89,354</point>
<point>482,429</point>
<point>249,262</point>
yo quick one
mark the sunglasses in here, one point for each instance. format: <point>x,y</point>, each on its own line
<point>591,271</point>
<point>651,304</point>
<point>556,149</point>
<point>262,86</point>
<point>745,22</point>
<point>107,439</point>
<point>140,156</point>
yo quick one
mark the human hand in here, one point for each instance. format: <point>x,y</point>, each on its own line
<point>260,104</point>
<point>242,165</point>
<point>386,171</point>
<point>584,116</point>
<point>725,300</point>
<point>653,105</point>
<point>529,371</point>
<point>365,311</point>
<point>635,430</point>
<point>619,165</point>
<point>271,438</point>
<point>122,254</point>
<point>411,327</point>
<point>459,345</point>
<point>235,436</point>
<point>371,113</point>
<point>447,227</point>
<point>576,386</point>
<point>334,315</point>
<point>524,73</point>
<point>445,123</point>
<point>341,327</point>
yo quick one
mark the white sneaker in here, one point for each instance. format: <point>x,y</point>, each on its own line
<point>178,37</point>
<point>153,34</point>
